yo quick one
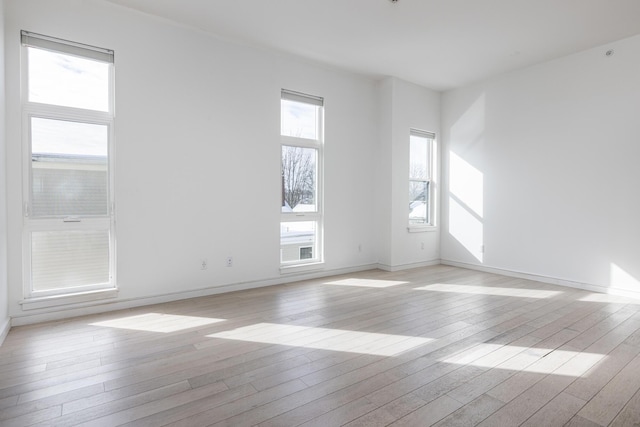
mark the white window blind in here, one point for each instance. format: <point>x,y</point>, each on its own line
<point>72,48</point>
<point>302,97</point>
<point>68,259</point>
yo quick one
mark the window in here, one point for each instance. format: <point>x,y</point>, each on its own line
<point>306,252</point>
<point>421,179</point>
<point>301,166</point>
<point>68,186</point>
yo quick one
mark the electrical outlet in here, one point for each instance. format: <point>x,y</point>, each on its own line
<point>203,264</point>
<point>360,248</point>
<point>229,261</point>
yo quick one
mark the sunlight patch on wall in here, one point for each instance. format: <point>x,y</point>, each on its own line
<point>158,322</point>
<point>490,290</point>
<point>466,183</point>
<point>622,279</point>
<point>466,229</point>
<point>367,283</point>
<point>324,339</point>
<point>543,361</point>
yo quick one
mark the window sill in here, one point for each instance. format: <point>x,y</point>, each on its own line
<point>422,229</point>
<point>301,268</point>
<point>67,299</point>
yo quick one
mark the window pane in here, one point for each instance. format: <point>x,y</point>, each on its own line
<point>65,259</point>
<point>306,252</point>
<point>69,168</point>
<point>297,239</point>
<point>299,119</point>
<point>418,202</point>
<point>67,80</point>
<point>299,179</point>
<point>419,157</point>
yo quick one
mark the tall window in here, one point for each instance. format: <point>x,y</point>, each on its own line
<point>68,185</point>
<point>421,178</point>
<point>301,168</point>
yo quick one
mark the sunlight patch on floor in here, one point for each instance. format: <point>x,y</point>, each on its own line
<point>324,339</point>
<point>612,299</point>
<point>543,361</point>
<point>490,290</point>
<point>367,283</point>
<point>158,322</point>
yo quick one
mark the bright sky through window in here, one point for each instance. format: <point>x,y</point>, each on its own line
<point>66,137</point>
<point>67,80</point>
<point>299,120</point>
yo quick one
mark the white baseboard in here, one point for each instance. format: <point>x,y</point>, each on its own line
<point>75,310</point>
<point>5,326</point>
<point>545,279</point>
<point>103,306</point>
<point>401,267</point>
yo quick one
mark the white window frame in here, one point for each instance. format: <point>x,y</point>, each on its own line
<point>38,298</point>
<point>431,224</point>
<point>316,216</point>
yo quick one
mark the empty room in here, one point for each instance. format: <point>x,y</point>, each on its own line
<point>319,213</point>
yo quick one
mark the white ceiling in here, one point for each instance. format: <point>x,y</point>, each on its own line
<point>439,44</point>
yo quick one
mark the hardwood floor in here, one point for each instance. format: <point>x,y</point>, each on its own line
<point>433,346</point>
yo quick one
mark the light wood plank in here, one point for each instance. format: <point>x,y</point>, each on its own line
<point>610,400</point>
<point>473,413</point>
<point>560,410</point>
<point>630,414</point>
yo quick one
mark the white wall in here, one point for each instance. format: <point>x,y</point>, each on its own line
<point>197,150</point>
<point>403,106</point>
<point>4,314</point>
<point>541,168</point>
<point>382,179</point>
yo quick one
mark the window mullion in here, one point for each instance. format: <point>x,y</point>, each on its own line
<point>300,142</point>
<point>67,113</point>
